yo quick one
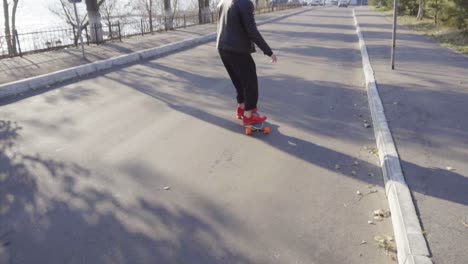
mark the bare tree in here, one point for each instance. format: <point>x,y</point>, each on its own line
<point>10,30</point>
<point>112,10</point>
<point>420,15</point>
<point>193,6</point>
<point>94,17</point>
<point>108,10</point>
<point>168,14</point>
<point>146,8</point>
<point>204,12</point>
<point>64,9</point>
<point>214,4</point>
<point>2,41</point>
<point>175,7</point>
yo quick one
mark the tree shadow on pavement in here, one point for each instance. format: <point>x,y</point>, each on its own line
<point>59,212</point>
<point>327,16</point>
<point>341,123</point>
<point>307,151</point>
<point>409,110</point>
<point>420,107</point>
<point>377,26</point>
<point>282,35</point>
<point>317,25</point>
<point>189,98</point>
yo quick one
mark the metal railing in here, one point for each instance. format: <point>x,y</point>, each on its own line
<point>59,38</point>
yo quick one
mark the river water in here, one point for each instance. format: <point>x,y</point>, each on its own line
<point>36,16</point>
<point>33,15</point>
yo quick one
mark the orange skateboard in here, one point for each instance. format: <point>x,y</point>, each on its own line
<point>257,128</point>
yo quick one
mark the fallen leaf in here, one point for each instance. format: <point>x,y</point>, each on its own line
<point>464,223</point>
<point>379,239</point>
<point>378,218</point>
<point>378,212</point>
<point>450,168</point>
<point>386,243</point>
<point>381,213</point>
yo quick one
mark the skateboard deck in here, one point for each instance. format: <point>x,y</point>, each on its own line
<point>260,127</point>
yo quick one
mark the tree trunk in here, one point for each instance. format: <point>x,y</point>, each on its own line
<point>420,15</point>
<point>7,27</point>
<point>13,25</point>
<point>168,14</point>
<point>204,12</point>
<point>207,11</point>
<point>94,18</point>
<point>200,8</point>
<point>149,9</point>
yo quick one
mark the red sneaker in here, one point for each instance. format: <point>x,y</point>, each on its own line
<point>254,119</point>
<point>240,112</point>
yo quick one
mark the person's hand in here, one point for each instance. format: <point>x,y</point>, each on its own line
<point>274,59</point>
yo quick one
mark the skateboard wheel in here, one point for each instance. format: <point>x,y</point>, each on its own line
<point>248,131</point>
<point>266,130</point>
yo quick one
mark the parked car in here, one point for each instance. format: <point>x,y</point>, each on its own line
<point>342,3</point>
<point>315,2</point>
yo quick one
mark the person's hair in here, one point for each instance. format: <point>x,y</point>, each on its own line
<point>226,3</point>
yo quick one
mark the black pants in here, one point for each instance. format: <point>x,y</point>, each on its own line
<point>242,70</point>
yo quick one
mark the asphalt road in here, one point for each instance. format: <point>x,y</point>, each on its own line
<point>147,164</point>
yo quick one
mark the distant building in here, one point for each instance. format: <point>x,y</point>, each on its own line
<point>276,2</point>
<point>358,2</point>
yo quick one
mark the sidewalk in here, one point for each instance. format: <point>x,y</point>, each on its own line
<point>17,68</point>
<point>425,104</point>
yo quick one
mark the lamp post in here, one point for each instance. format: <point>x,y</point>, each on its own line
<point>78,25</point>
<point>395,15</point>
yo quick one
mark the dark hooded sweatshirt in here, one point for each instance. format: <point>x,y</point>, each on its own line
<point>237,30</point>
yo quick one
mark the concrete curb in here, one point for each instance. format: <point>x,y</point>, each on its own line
<point>410,242</point>
<point>74,73</point>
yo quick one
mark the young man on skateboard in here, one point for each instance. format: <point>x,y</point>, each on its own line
<point>237,33</point>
